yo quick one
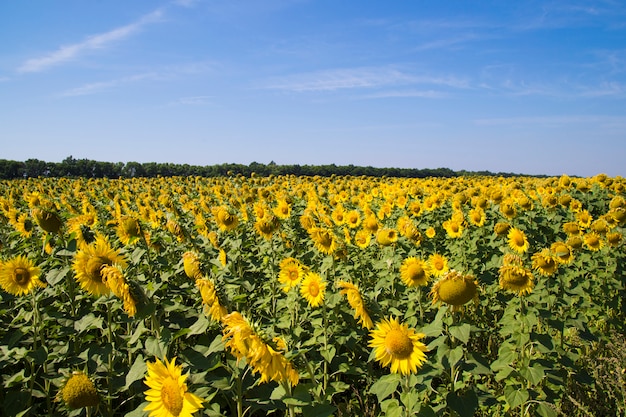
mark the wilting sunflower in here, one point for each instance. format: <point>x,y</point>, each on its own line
<point>290,274</point>
<point>88,265</point>
<point>79,392</point>
<point>614,239</point>
<point>210,299</point>
<point>545,262</point>
<point>168,395</point>
<point>414,272</point>
<point>517,240</point>
<point>19,276</point>
<point>501,229</point>
<point>113,277</point>
<point>516,278</point>
<point>191,265</point>
<point>438,264</point>
<point>313,288</point>
<point>398,346</point>
<point>571,228</point>
<point>48,220</point>
<point>266,226</point>
<point>353,294</point>
<point>455,289</point>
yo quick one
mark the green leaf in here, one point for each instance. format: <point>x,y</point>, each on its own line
<point>57,275</point>
<point>385,386</point>
<point>199,326</point>
<point>155,347</point>
<point>455,355</point>
<point>464,405</point>
<point>319,410</point>
<point>435,327</point>
<point>461,332</point>
<point>515,397</point>
<point>137,371</point>
<point>329,353</point>
<point>391,408</point>
<point>533,374</point>
<point>138,412</point>
<point>88,322</point>
<point>545,410</point>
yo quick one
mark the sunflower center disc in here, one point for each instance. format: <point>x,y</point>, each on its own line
<point>314,289</point>
<point>171,396</point>
<point>398,344</point>
<point>21,276</point>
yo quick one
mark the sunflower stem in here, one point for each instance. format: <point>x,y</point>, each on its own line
<point>109,361</point>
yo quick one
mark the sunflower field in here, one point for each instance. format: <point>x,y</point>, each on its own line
<point>313,296</point>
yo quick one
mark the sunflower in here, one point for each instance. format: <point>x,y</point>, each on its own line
<point>584,218</point>
<point>114,279</point>
<point>371,224</point>
<point>324,240</point>
<point>338,215</point>
<point>477,217</point>
<point>614,239</point>
<point>430,232</point>
<point>210,299</point>
<point>167,394</point>
<point>455,289</point>
<point>191,265</point>
<point>353,294</point>
<point>414,272</point>
<point>571,228</point>
<point>545,262</point>
<point>501,229</point>
<point>386,236</point>
<point>362,238</point>
<point>79,392</point>
<point>517,240</point>
<point>19,276</point>
<point>312,289</point>
<point>353,219</point>
<point>266,226</point>
<point>48,220</point>
<point>593,241</point>
<point>24,224</point>
<point>291,272</point>
<point>516,278</point>
<point>438,264</point>
<point>88,265</point>
<point>222,257</point>
<point>398,346</point>
<point>225,219</point>
<point>453,228</point>
<point>128,230</point>
<point>282,209</point>
<point>562,251</point>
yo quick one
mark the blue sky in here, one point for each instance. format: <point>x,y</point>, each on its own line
<point>533,87</point>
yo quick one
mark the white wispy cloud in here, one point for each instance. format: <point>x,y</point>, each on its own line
<point>407,94</point>
<point>559,120</point>
<point>192,100</point>
<point>98,87</point>
<point>70,52</point>
<point>351,78</point>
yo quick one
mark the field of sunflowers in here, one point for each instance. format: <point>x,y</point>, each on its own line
<point>313,296</point>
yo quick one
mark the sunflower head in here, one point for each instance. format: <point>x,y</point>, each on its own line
<point>79,392</point>
<point>516,278</point>
<point>517,240</point>
<point>414,272</point>
<point>438,264</point>
<point>313,288</point>
<point>545,263</point>
<point>386,236</point>
<point>191,265</point>
<point>19,276</point>
<point>89,262</point>
<point>48,220</point>
<point>168,394</point>
<point>501,229</point>
<point>455,289</point>
<point>398,346</point>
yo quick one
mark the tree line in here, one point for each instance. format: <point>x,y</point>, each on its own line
<point>71,167</point>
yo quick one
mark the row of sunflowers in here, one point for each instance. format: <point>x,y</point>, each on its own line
<point>314,296</point>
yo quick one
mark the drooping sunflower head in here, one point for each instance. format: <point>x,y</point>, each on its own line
<point>414,272</point>
<point>397,346</point>
<point>614,239</point>
<point>89,262</point>
<point>266,226</point>
<point>517,240</point>
<point>191,265</point>
<point>168,393</point>
<point>19,276</point>
<point>324,240</point>
<point>79,392</point>
<point>48,220</point>
<point>455,289</point>
<point>313,289</point>
<point>516,278</point>
<point>501,229</point>
<point>545,262</point>
<point>225,218</point>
